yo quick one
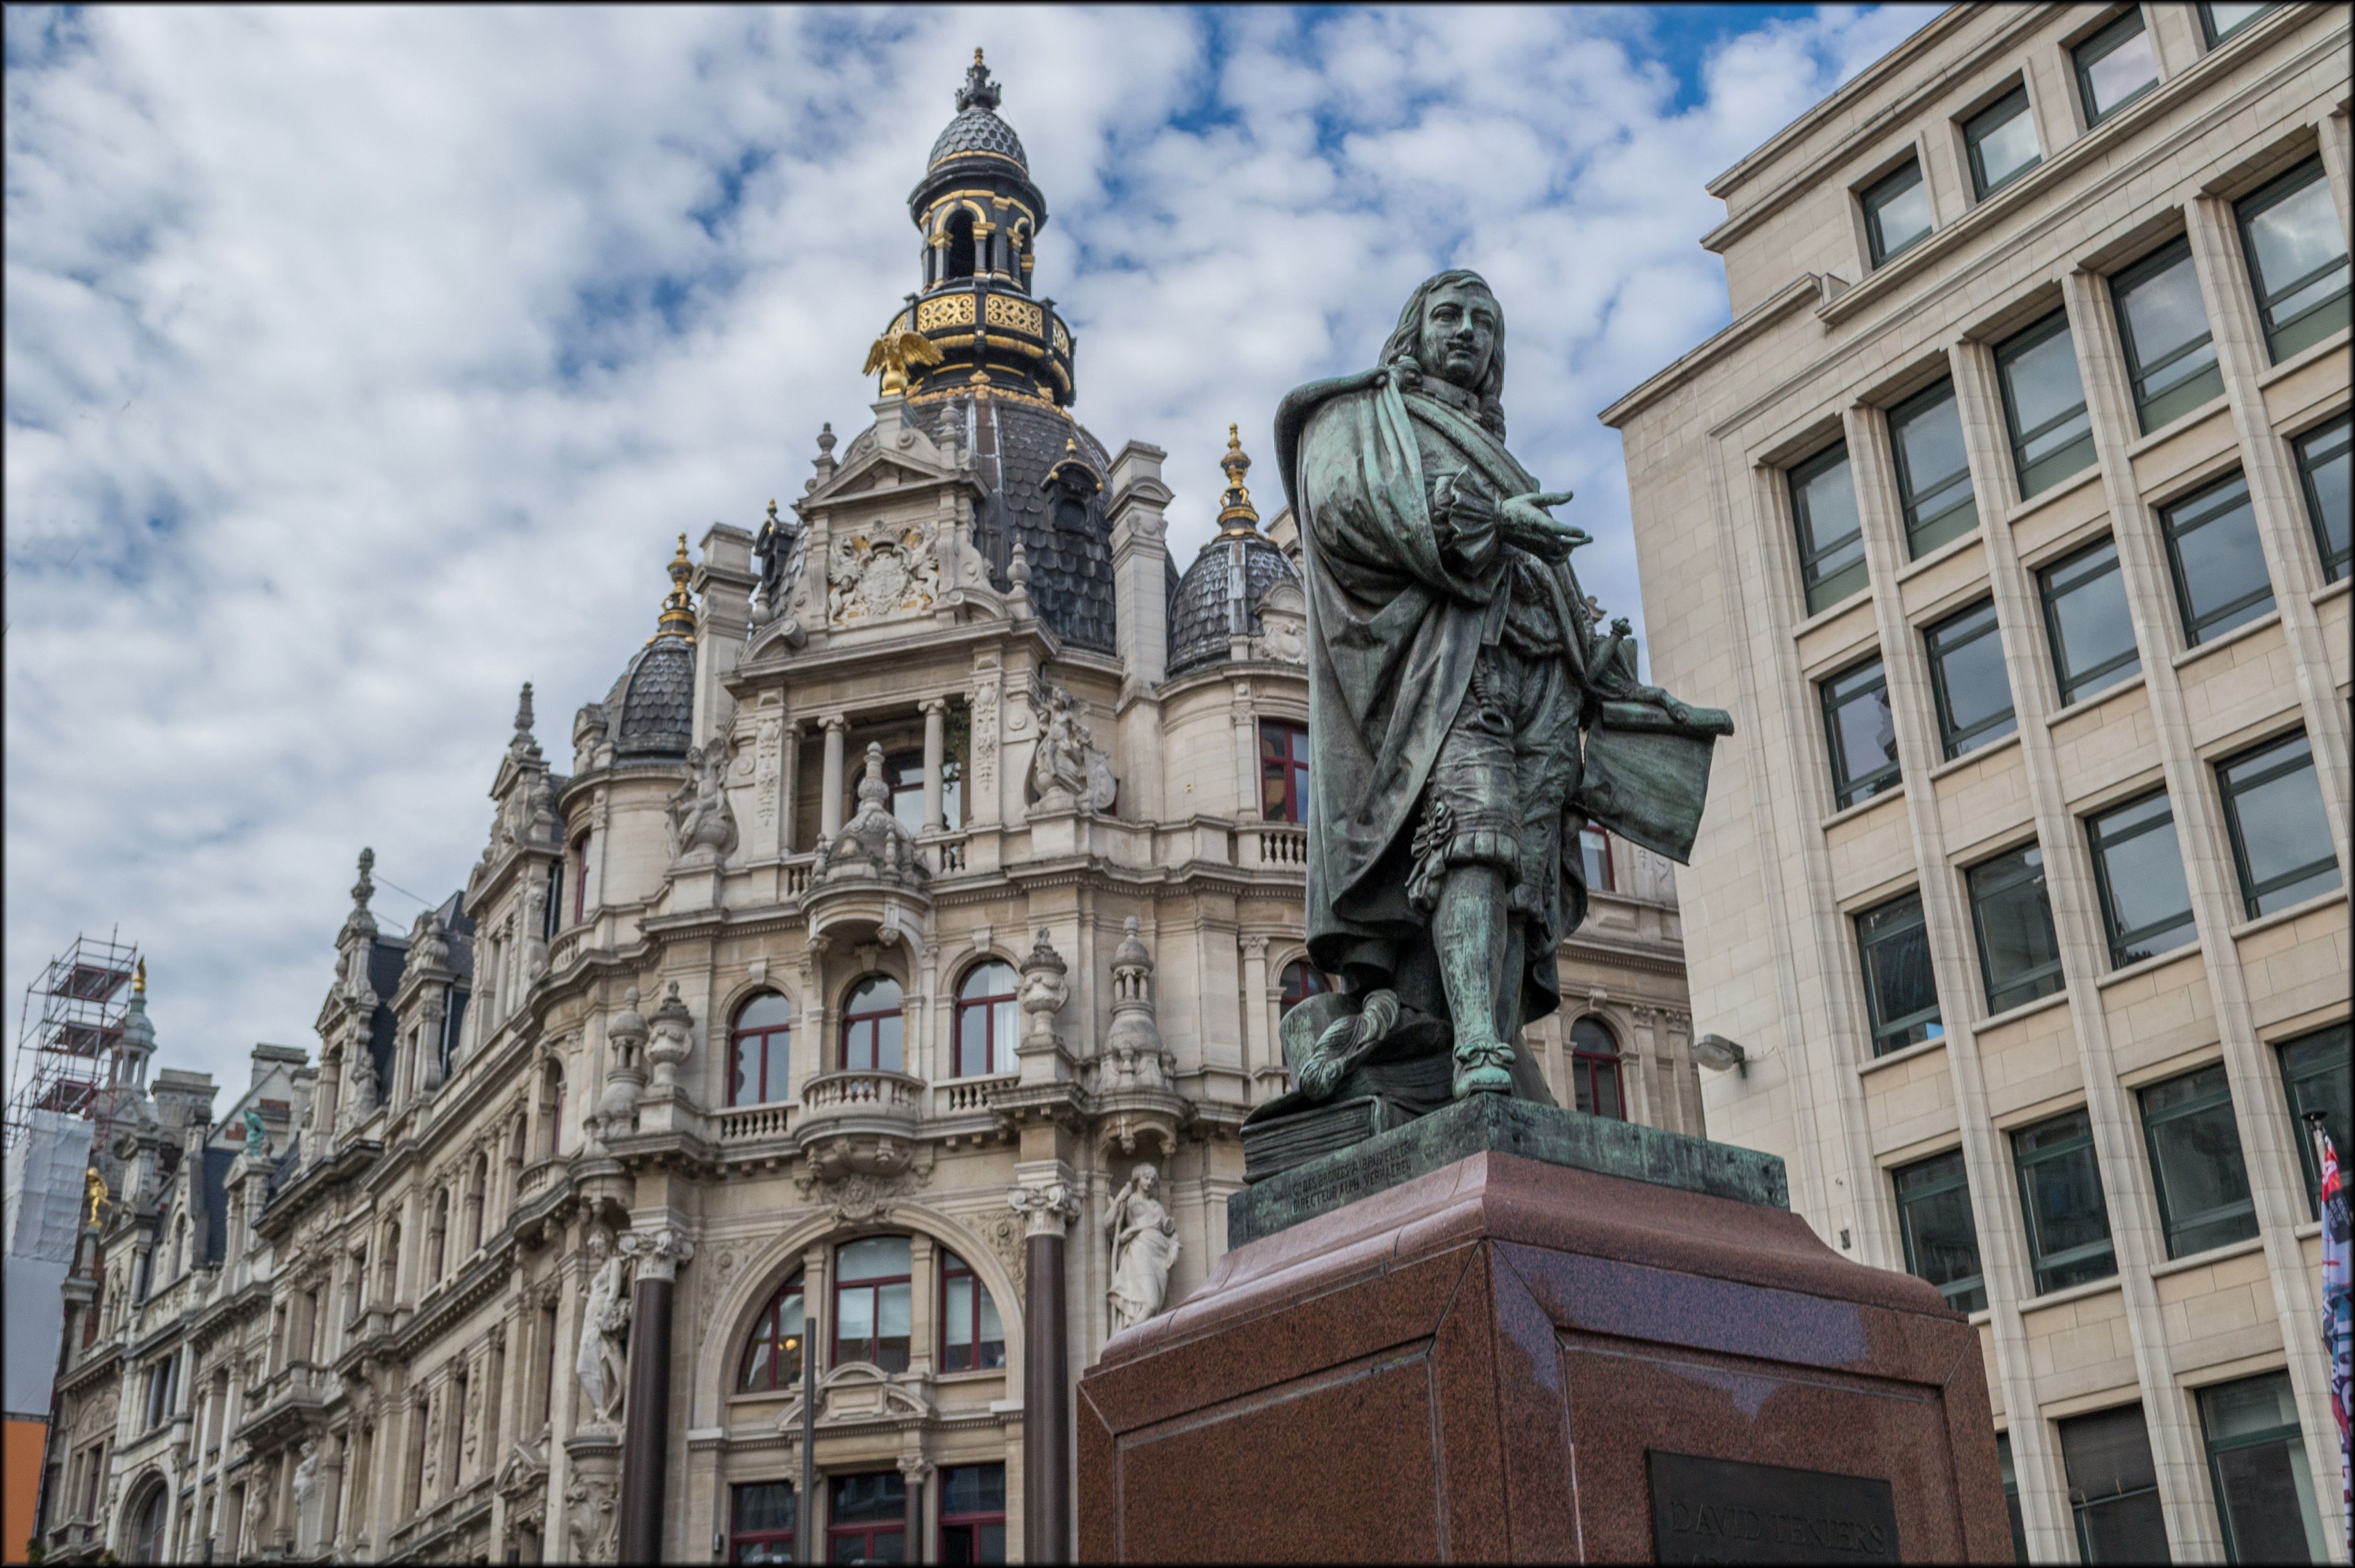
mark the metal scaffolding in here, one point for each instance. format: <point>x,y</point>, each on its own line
<point>69,1033</point>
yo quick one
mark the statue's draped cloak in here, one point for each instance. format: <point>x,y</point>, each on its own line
<point>1396,619</point>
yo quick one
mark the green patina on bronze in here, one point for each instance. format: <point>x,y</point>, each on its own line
<point>1496,1124</point>
<point>1466,719</point>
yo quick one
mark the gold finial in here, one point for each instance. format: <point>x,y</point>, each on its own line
<point>1236,513</point>
<point>677,616</point>
<point>138,979</point>
<point>976,54</point>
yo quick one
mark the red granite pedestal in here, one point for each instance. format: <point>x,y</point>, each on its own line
<point>1512,1360</point>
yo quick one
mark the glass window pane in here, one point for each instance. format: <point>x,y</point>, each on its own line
<point>874,1258</point>
<point>875,1499</point>
<point>2163,326</point>
<point>1896,212</point>
<point>2086,618</point>
<point>2138,869</point>
<point>1831,541</point>
<point>2322,467</point>
<point>2068,1223</point>
<point>2002,141</point>
<point>2019,957</point>
<point>1001,1041</point>
<point>1934,479</point>
<point>2011,1496</point>
<point>2115,66</point>
<point>1942,1241</point>
<point>2318,1070</point>
<point>2256,1460</point>
<point>1968,680</point>
<point>956,1328</point>
<point>2113,1487</point>
<point>2219,19</point>
<point>2196,1166</point>
<point>2044,404</point>
<point>1862,733</point>
<point>1900,993</point>
<point>2297,259</point>
<point>2220,567</point>
<point>2281,838</point>
<point>887,1043</point>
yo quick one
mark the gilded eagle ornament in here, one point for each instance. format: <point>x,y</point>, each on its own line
<point>895,354</point>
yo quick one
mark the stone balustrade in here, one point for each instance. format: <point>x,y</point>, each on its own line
<point>1277,843</point>
<point>962,1097</point>
<point>743,1124</point>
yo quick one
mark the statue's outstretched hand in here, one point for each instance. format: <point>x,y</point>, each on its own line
<point>1527,526</point>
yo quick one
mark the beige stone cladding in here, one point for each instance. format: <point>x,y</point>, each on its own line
<point>1885,244</point>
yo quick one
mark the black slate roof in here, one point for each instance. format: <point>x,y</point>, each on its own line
<point>387,960</point>
<point>977,131</point>
<point>1015,444</point>
<point>1201,612</point>
<point>651,709</point>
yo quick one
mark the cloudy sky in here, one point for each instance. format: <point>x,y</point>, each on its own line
<point>361,365</point>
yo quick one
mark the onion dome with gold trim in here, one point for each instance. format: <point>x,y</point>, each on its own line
<point>1219,597</point>
<point>650,712</point>
<point>979,215</point>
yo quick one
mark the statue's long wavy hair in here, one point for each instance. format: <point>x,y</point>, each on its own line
<point>1406,340</point>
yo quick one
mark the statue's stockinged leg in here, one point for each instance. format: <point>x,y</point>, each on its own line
<point>1469,932</point>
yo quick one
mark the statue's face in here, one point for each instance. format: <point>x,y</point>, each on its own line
<point>1459,334</point>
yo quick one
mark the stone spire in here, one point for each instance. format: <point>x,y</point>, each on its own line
<point>978,91</point>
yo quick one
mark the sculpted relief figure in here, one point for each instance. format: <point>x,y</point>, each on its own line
<point>1144,1249</point>
<point>1067,771</point>
<point>1466,721</point>
<point>605,1331</point>
<point>702,824</point>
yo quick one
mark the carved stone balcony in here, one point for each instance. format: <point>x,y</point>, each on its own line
<point>1280,844</point>
<point>290,1398</point>
<point>859,1121</point>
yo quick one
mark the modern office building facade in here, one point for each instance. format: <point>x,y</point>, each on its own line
<point>2009,517</point>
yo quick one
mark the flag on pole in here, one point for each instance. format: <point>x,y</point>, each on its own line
<point>2338,1316</point>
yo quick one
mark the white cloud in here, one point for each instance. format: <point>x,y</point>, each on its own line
<point>362,364</point>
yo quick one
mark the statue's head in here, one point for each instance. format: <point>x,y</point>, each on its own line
<point>598,1243</point>
<point>1146,1178</point>
<point>1452,329</point>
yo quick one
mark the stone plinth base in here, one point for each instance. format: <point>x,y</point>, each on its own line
<point>1506,1358</point>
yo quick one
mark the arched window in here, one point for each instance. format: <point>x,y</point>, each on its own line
<point>1594,1069</point>
<point>972,1337</point>
<point>477,1182</point>
<point>551,918</point>
<point>581,878</point>
<point>1302,979</point>
<point>772,1354</point>
<point>759,1045</point>
<point>147,1531</point>
<point>985,1019</point>
<point>871,1025</point>
<point>960,259</point>
<point>872,1309</point>
<point>551,1110</point>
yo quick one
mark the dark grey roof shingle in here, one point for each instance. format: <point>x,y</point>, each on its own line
<point>1201,612</point>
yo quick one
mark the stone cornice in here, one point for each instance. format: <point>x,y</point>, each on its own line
<point>351,1159</point>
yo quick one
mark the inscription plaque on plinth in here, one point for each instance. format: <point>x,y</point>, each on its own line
<point>1724,1511</point>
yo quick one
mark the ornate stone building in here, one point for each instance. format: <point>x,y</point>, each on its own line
<point>933,872</point>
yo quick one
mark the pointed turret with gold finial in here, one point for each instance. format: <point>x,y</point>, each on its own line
<point>677,616</point>
<point>1236,513</point>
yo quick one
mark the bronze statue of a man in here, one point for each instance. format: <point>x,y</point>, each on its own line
<point>1466,719</point>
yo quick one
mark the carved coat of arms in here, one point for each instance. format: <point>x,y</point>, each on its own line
<point>879,572</point>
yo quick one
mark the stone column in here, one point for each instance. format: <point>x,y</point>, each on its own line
<point>829,805</point>
<point>1047,1207</point>
<point>918,1541</point>
<point>645,1432</point>
<point>1259,1053</point>
<point>790,784</point>
<point>936,748</point>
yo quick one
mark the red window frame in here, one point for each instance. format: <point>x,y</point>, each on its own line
<point>773,1042</point>
<point>551,1107</point>
<point>1284,770</point>
<point>1302,979</point>
<point>581,879</point>
<point>1593,1070</point>
<point>972,1523</point>
<point>953,1267</point>
<point>769,1332</point>
<point>759,1545</point>
<point>988,1004</point>
<point>870,1021</point>
<point>871,1348</point>
<point>1598,840</point>
<point>867,1532</point>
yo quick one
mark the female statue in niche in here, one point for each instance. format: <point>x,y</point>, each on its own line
<point>1144,1249</point>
